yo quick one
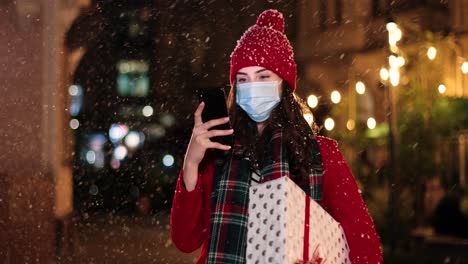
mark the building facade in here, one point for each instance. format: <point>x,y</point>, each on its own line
<point>341,43</point>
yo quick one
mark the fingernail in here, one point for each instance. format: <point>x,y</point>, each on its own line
<point>226,118</point>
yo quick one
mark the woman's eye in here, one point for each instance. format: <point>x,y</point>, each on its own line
<point>264,77</point>
<point>241,80</point>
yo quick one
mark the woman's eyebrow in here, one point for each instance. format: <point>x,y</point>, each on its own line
<point>261,70</point>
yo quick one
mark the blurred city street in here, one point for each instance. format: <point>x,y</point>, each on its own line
<point>97,101</point>
<point>124,239</point>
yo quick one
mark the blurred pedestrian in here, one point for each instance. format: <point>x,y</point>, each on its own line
<point>448,218</point>
<point>272,139</point>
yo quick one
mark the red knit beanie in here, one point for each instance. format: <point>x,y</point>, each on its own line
<point>264,44</point>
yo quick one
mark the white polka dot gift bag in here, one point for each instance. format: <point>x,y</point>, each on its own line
<point>277,224</point>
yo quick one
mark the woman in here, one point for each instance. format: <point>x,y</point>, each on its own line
<point>272,139</point>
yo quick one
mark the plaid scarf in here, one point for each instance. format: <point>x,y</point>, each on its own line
<point>230,196</point>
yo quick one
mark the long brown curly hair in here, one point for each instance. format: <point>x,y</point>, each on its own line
<point>288,115</point>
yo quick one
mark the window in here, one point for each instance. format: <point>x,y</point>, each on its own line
<point>76,93</point>
<point>322,13</point>
<point>133,78</point>
<point>330,13</point>
<point>338,11</point>
<point>376,10</point>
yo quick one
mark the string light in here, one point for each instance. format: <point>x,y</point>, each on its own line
<point>384,74</point>
<point>431,53</point>
<point>360,87</point>
<point>371,123</point>
<point>442,88</point>
<point>464,67</point>
<point>394,76</point>
<point>393,61</point>
<point>329,124</point>
<point>335,97</point>
<point>350,124</point>
<point>391,26</point>
<point>312,101</point>
<point>401,61</point>
<point>394,35</point>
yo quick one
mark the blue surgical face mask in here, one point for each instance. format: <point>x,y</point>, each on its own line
<point>258,99</point>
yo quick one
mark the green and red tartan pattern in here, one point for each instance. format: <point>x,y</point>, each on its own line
<point>316,173</point>
<point>229,200</point>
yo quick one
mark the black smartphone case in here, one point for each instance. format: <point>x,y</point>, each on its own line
<point>215,107</point>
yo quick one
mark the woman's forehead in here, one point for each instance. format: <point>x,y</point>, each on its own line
<point>252,69</point>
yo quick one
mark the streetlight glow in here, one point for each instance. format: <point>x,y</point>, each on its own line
<point>120,152</point>
<point>74,124</point>
<point>335,97</point>
<point>147,111</point>
<point>168,160</point>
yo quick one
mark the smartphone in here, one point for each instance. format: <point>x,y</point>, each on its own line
<point>215,107</point>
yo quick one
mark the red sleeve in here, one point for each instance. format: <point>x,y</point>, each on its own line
<point>188,229</point>
<point>342,198</point>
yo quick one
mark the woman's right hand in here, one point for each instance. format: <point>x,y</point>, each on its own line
<point>200,142</point>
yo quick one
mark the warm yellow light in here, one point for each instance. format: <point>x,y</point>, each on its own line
<point>360,87</point>
<point>398,34</point>
<point>401,61</point>
<point>394,34</point>
<point>464,67</point>
<point>394,49</point>
<point>391,26</point>
<point>335,97</point>
<point>124,67</point>
<point>431,53</point>
<point>350,124</point>
<point>309,118</point>
<point>384,74</point>
<point>312,101</point>
<point>442,89</point>
<point>394,76</point>
<point>393,61</point>
<point>329,124</point>
<point>371,123</point>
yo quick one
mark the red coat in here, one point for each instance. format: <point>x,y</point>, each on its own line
<point>190,215</point>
